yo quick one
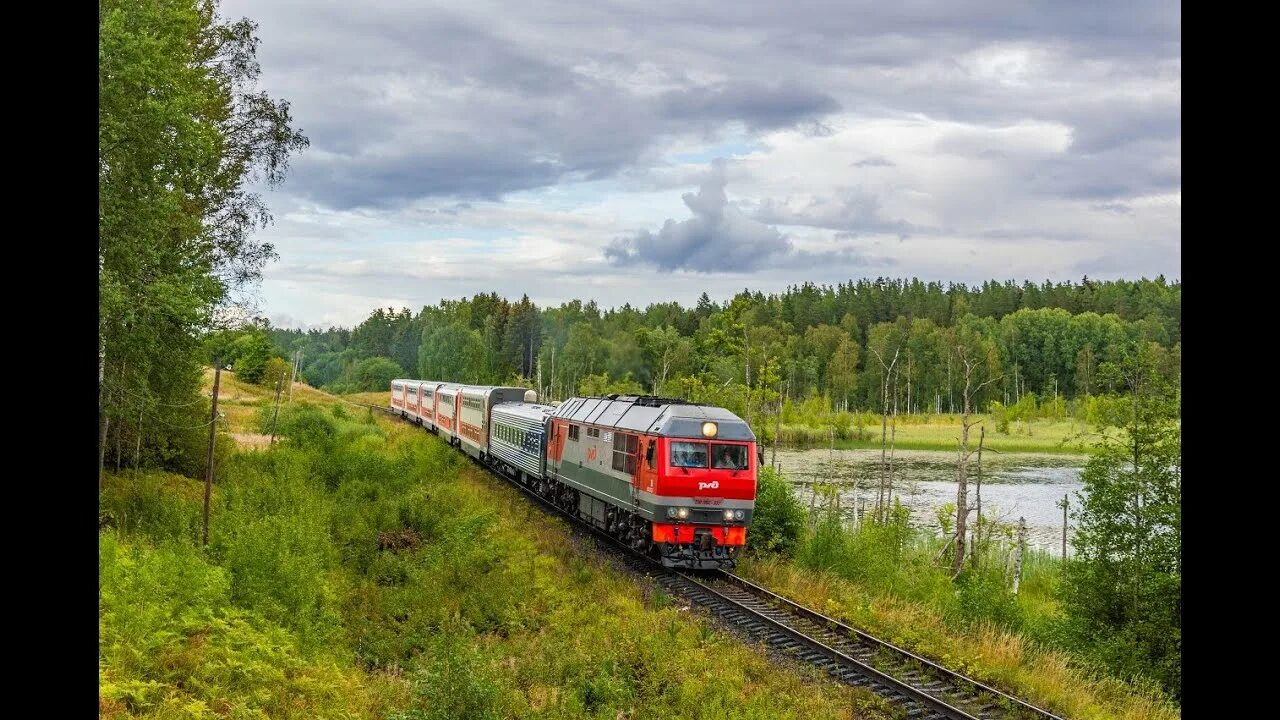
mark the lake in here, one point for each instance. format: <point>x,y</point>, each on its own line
<point>1013,485</point>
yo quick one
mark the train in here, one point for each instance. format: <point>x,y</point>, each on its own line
<point>670,478</point>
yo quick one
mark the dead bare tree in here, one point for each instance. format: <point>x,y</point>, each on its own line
<point>970,366</point>
<point>884,421</point>
<point>975,543</point>
<point>777,428</point>
<point>1017,557</point>
<point>893,440</point>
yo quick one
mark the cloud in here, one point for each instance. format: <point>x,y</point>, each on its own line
<point>718,238</point>
<point>758,105</point>
<point>461,145</point>
<point>853,212</point>
<point>873,161</point>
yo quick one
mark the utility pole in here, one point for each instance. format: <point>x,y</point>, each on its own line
<point>297,360</point>
<point>276,414</point>
<point>213,432</point>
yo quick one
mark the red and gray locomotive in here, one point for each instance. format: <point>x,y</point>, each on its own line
<point>672,478</point>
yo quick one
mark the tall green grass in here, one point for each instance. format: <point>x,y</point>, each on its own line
<point>363,569</point>
<point>896,581</point>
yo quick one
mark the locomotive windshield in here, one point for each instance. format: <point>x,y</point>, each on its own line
<point>689,454</point>
<point>703,455</point>
<point>730,457</point>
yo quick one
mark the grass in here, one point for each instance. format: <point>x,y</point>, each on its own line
<point>421,634</point>
<point>907,602</point>
<point>360,568</point>
<point>942,432</point>
<point>240,404</point>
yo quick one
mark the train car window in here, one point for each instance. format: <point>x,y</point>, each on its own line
<point>625,448</point>
<point>729,457</point>
<point>593,432</point>
<point>689,454</point>
<point>573,433</point>
<point>648,455</point>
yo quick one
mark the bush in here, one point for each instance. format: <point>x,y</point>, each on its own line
<point>273,537</point>
<point>251,352</point>
<point>985,596</point>
<point>301,425</point>
<point>273,371</point>
<point>171,644</point>
<point>166,508</point>
<point>778,518</point>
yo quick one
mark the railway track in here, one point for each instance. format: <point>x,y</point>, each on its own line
<point>924,689</point>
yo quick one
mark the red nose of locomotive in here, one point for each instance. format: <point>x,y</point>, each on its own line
<point>707,487</point>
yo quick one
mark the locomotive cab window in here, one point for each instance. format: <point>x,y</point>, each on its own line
<point>573,433</point>
<point>729,457</point>
<point>689,454</point>
<point>625,448</point>
<point>648,454</point>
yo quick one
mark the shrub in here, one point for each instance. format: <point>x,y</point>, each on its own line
<point>778,518</point>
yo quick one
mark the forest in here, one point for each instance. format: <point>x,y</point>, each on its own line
<point>1040,345</point>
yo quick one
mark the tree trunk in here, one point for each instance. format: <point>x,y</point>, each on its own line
<point>137,451</point>
<point>746,358</point>
<point>1017,554</point>
<point>1064,527</point>
<point>974,546</point>
<point>777,430</point>
<point>893,443</point>
<point>908,388</point>
<point>119,425</point>
<point>962,480</point>
<point>102,447</point>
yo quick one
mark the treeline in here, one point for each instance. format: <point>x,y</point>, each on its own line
<point>862,345</point>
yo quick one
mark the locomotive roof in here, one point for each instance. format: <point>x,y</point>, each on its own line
<point>654,416</point>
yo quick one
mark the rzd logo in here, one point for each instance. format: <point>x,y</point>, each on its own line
<point>713,485</point>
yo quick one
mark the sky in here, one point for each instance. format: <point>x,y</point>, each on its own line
<point>634,151</point>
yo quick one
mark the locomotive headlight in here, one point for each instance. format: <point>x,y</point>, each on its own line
<point>728,515</point>
<point>709,429</point>
<point>682,513</point>
<point>739,514</point>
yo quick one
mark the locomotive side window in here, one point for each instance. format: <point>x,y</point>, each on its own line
<point>648,455</point>
<point>625,448</point>
<point>729,457</point>
<point>689,454</point>
<point>573,433</point>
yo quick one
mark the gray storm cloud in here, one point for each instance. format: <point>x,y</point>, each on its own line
<point>718,238</point>
<point>853,212</point>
